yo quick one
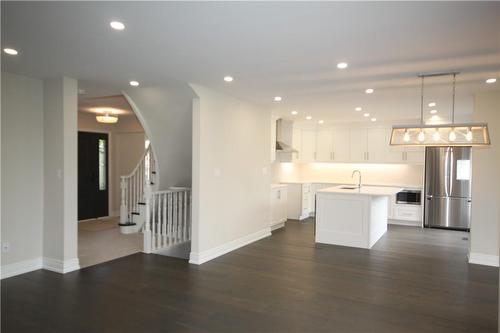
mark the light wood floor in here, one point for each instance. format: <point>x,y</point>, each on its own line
<point>101,240</point>
<point>413,280</point>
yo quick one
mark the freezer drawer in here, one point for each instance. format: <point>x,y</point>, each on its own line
<point>447,212</point>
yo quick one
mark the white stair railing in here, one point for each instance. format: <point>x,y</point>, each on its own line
<point>168,218</point>
<point>133,187</point>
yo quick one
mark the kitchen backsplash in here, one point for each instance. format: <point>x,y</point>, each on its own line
<point>390,174</point>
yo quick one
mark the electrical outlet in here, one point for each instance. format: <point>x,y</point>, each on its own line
<point>5,247</point>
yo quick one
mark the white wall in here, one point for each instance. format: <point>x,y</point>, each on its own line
<point>231,176</point>
<point>22,168</point>
<point>410,175</point>
<point>165,112</point>
<point>126,146</point>
<point>486,184</point>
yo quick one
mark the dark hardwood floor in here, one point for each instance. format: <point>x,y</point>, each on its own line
<point>413,280</point>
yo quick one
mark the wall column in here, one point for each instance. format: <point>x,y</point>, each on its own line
<point>60,229</point>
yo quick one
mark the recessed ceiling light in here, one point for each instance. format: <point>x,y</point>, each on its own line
<point>309,117</point>
<point>294,112</point>
<point>432,104</point>
<point>433,111</point>
<point>320,121</point>
<point>342,65</point>
<point>369,91</point>
<point>359,108</point>
<point>10,51</point>
<point>366,114</point>
<point>134,83</point>
<point>117,25</point>
<point>373,119</point>
<point>492,80</point>
<point>277,99</point>
<point>228,78</point>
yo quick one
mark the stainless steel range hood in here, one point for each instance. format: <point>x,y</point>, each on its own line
<point>284,135</point>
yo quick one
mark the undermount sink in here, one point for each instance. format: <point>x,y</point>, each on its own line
<point>348,187</point>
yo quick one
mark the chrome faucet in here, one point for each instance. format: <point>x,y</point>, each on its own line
<point>352,176</point>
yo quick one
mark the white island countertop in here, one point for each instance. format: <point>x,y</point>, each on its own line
<point>363,190</point>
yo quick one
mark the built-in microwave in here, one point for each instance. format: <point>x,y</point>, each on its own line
<point>409,197</point>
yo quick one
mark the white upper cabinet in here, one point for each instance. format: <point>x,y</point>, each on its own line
<point>358,145</point>
<point>324,145</point>
<point>308,146</point>
<point>351,145</point>
<point>341,145</point>
<point>377,145</point>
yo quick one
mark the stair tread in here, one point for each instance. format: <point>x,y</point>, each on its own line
<point>127,224</point>
<point>135,213</point>
<point>141,203</point>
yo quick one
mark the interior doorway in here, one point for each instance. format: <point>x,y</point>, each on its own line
<point>93,175</point>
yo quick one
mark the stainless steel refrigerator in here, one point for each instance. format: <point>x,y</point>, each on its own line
<point>448,172</point>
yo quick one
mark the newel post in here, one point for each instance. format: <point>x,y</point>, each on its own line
<point>147,223</point>
<point>123,204</point>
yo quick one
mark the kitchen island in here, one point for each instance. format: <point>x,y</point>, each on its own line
<point>352,216</point>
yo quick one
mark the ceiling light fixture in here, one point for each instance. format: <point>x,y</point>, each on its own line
<point>374,119</point>
<point>359,108</point>
<point>452,134</point>
<point>278,99</point>
<point>366,114</point>
<point>433,111</point>
<point>432,104</point>
<point>309,117</point>
<point>134,83</point>
<point>369,91</point>
<point>492,80</point>
<point>117,25</point>
<point>10,51</point>
<point>228,78</point>
<point>320,121</point>
<point>294,112</point>
<point>107,118</point>
<point>342,65</point>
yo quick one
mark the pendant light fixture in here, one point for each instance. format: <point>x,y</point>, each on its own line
<point>464,134</point>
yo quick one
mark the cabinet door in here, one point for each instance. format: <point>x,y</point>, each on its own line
<point>377,146</point>
<point>341,145</point>
<point>415,155</point>
<point>297,143</point>
<point>358,144</point>
<point>324,145</point>
<point>308,145</point>
<point>394,154</point>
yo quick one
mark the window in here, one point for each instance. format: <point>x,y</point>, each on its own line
<point>102,164</point>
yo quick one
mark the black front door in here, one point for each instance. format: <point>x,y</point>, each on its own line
<point>92,175</point>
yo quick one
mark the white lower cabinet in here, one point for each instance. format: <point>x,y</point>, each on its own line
<point>279,206</point>
<point>300,201</point>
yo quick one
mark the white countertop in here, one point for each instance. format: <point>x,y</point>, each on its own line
<point>363,190</point>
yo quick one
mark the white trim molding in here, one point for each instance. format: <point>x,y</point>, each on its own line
<point>21,267</point>
<point>207,255</point>
<point>483,259</point>
<point>60,266</point>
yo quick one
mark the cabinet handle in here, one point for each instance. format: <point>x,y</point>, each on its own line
<point>279,195</point>
<point>333,155</point>
<point>315,156</point>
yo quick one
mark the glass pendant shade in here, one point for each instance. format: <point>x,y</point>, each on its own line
<point>441,135</point>
<point>107,119</point>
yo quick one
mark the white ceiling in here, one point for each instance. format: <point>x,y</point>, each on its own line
<point>275,48</point>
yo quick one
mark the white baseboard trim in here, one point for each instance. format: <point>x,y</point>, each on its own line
<point>204,256</point>
<point>60,266</point>
<point>20,267</point>
<point>277,226</point>
<point>483,259</point>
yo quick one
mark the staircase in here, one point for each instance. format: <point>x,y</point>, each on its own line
<point>164,217</point>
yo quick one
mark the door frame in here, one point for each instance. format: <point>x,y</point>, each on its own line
<point>110,171</point>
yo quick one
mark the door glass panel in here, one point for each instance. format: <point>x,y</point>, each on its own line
<point>102,164</point>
